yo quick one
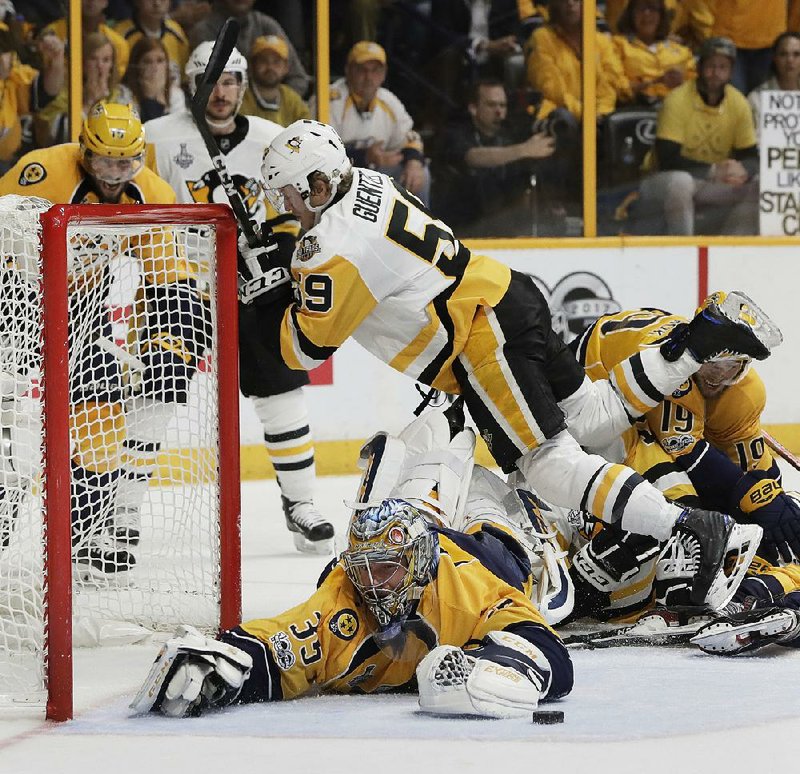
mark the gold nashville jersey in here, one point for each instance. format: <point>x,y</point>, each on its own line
<point>380,268</point>
<point>327,641</point>
<point>56,174</point>
<point>731,422</point>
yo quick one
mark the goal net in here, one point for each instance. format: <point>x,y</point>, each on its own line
<point>119,510</point>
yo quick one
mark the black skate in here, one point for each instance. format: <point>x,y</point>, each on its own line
<point>726,325</point>
<point>749,630</point>
<point>312,534</point>
<point>723,551</point>
<point>100,560</point>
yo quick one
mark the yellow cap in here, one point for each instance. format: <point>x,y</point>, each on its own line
<point>366,51</point>
<point>270,43</point>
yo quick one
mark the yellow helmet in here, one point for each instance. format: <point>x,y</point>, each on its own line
<point>112,130</point>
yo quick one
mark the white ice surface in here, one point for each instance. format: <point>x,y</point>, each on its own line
<point>632,710</point>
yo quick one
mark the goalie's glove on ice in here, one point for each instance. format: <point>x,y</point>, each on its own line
<point>726,325</point>
<point>759,499</point>
<point>191,674</point>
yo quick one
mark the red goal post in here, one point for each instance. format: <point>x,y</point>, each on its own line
<point>191,526</point>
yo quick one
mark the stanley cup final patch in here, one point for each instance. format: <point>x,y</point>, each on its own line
<point>307,248</point>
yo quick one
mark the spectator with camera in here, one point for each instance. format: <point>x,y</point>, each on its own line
<point>705,153</point>
<point>376,128</point>
<point>482,174</point>
<point>267,96</point>
<point>653,63</point>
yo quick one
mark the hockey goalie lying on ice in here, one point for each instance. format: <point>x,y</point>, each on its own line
<point>410,597</point>
<point>443,565</point>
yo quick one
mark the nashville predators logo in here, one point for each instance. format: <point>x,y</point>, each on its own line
<point>294,144</point>
<point>344,624</point>
<point>32,173</point>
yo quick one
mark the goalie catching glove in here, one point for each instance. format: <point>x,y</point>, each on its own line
<point>191,674</point>
<point>760,499</point>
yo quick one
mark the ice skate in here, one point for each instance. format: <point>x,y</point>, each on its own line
<point>101,561</point>
<point>726,325</point>
<point>725,552</point>
<point>125,527</point>
<point>748,630</point>
<point>312,533</point>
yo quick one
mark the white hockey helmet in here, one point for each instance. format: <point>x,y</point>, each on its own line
<point>301,149</point>
<point>198,61</point>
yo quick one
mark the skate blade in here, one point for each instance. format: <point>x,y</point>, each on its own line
<point>723,637</point>
<point>318,547</point>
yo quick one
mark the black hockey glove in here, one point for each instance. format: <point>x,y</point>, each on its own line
<point>760,499</point>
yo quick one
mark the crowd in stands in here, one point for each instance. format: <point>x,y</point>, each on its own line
<point>475,106</point>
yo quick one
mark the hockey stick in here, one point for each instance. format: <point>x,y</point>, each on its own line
<point>223,47</point>
<point>781,450</point>
<point>658,627</point>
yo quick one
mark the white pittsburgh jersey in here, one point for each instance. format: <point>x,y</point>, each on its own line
<point>183,161</point>
<point>381,269</point>
<point>385,121</point>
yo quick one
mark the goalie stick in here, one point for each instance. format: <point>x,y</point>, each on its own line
<point>262,281</point>
<point>781,450</point>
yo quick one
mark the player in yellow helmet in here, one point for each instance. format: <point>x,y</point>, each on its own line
<point>107,166</point>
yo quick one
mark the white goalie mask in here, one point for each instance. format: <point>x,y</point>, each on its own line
<point>196,66</point>
<point>300,150</point>
<point>391,556</point>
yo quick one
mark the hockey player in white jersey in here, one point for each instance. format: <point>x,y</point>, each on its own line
<point>183,161</point>
<point>374,264</point>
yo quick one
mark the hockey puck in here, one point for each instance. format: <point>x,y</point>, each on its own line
<point>548,717</point>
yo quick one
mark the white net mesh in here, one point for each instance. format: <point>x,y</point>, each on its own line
<point>144,430</point>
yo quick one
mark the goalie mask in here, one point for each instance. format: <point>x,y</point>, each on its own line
<point>302,149</point>
<point>112,143</point>
<point>390,558</point>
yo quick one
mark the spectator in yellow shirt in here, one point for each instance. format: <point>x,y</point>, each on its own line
<point>267,96</point>
<point>150,20</point>
<point>93,21</point>
<point>706,154</point>
<point>101,81</point>
<point>753,26</point>
<point>690,20</point>
<point>24,90</point>
<point>554,66</point>
<point>653,63</point>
